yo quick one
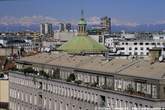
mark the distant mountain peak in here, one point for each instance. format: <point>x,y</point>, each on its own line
<point>10,23</point>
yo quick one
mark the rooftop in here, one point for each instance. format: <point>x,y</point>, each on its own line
<point>82,44</point>
<point>137,68</point>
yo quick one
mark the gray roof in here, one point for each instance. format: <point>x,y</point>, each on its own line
<point>137,68</point>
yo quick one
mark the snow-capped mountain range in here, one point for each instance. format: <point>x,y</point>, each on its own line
<point>9,23</point>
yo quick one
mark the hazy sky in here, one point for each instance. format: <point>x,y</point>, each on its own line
<point>140,11</point>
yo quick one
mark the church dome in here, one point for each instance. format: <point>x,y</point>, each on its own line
<point>82,44</point>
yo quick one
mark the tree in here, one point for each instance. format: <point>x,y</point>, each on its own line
<point>78,82</point>
<point>43,73</point>
<point>56,73</point>
<point>130,88</point>
<point>29,70</point>
<point>71,77</point>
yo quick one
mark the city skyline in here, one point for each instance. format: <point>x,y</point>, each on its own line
<point>125,12</point>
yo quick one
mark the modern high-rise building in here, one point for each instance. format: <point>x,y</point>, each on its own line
<point>61,27</point>
<point>68,27</point>
<point>46,29</point>
<point>65,27</point>
<point>106,24</point>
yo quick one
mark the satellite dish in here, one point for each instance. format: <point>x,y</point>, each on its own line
<point>160,58</point>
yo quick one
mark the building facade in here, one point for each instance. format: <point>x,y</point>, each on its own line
<point>133,47</point>
<point>77,87</point>
<point>61,27</point>
<point>4,92</point>
<point>46,29</point>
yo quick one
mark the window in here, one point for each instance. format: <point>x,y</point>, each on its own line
<point>100,39</point>
<point>141,48</point>
<point>122,53</point>
<point>122,48</point>
<point>158,43</point>
<point>147,48</point>
<point>135,48</point>
<point>147,43</point>
<point>161,37</point>
<point>102,101</point>
<point>152,43</point>
<point>141,43</point>
<point>135,43</point>
<point>136,53</point>
<point>147,53</point>
<point>73,106</point>
<point>126,43</point>
<point>130,48</point>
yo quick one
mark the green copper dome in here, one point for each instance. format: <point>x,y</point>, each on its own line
<point>82,44</point>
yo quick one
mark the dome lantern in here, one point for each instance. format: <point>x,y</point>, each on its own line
<point>82,25</point>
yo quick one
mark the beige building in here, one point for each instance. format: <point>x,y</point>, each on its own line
<point>4,93</point>
<point>68,82</point>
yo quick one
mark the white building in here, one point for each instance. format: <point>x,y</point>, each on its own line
<point>99,38</point>
<point>159,36</point>
<point>125,35</point>
<point>134,47</point>
<point>140,48</point>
